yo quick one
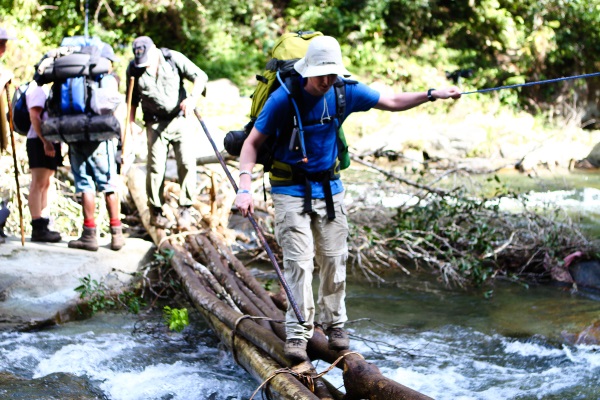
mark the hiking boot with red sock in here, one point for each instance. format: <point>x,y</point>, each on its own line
<point>87,241</point>
<point>338,339</point>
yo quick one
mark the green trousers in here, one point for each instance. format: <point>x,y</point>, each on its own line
<point>177,133</point>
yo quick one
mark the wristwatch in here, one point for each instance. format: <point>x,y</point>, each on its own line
<point>430,96</point>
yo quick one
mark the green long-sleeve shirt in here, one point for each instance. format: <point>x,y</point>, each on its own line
<point>161,95</point>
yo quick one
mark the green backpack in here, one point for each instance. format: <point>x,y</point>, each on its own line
<point>288,49</point>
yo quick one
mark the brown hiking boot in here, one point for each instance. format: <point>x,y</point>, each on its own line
<point>117,240</point>
<point>338,339</point>
<point>295,350</point>
<point>87,241</point>
<point>41,233</point>
<point>158,219</point>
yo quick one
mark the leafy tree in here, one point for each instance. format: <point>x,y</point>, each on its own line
<point>502,41</point>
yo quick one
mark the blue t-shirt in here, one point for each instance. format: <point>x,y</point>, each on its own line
<point>320,139</point>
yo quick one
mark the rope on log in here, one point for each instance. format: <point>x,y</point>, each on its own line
<point>304,376</point>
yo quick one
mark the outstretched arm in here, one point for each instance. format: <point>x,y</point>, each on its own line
<point>406,101</point>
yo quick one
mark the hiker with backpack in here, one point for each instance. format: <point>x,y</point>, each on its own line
<point>158,86</point>
<point>44,159</point>
<point>94,167</point>
<point>310,216</point>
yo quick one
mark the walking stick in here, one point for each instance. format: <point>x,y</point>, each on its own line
<point>129,94</point>
<point>14,151</point>
<point>259,232</point>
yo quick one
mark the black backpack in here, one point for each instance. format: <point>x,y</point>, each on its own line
<point>20,113</point>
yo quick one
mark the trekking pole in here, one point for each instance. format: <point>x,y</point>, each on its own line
<point>566,78</point>
<point>14,151</point>
<point>129,95</point>
<point>259,232</point>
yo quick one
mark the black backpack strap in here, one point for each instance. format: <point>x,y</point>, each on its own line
<point>293,133</point>
<point>340,97</point>
<point>340,100</point>
<point>169,58</point>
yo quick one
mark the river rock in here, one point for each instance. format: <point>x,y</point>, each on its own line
<point>549,155</point>
<point>53,386</point>
<point>590,335</point>
<point>586,274</point>
<point>592,160</point>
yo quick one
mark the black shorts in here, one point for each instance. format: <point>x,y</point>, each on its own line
<point>39,159</point>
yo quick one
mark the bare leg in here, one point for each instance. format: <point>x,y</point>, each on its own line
<point>112,205</point>
<point>88,203</point>
<point>38,191</point>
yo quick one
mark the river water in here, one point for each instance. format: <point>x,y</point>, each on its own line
<point>447,344</point>
<point>504,342</point>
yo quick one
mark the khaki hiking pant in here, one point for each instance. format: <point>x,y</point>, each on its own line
<point>178,133</point>
<point>304,238</point>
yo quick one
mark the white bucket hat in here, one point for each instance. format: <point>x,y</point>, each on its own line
<point>323,57</point>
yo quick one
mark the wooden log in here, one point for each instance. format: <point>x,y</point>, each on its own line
<point>242,271</point>
<point>226,279</point>
<point>136,182</point>
<point>258,346</point>
<point>363,380</point>
<point>255,361</point>
<point>360,376</point>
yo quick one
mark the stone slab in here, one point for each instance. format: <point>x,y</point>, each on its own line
<point>38,280</point>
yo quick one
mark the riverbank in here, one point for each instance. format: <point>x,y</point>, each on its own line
<point>38,280</point>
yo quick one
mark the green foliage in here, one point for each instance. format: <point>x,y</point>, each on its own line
<point>94,293</point>
<point>163,256</point>
<point>399,42</point>
<point>268,284</point>
<point>176,318</point>
<point>132,302</point>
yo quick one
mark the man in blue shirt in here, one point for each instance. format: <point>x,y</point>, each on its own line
<point>310,217</point>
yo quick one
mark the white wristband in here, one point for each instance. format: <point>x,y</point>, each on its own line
<point>245,172</point>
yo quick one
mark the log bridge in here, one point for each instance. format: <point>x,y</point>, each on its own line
<point>248,320</point>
